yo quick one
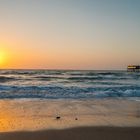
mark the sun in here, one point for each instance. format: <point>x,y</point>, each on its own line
<point>4,54</point>
<point>3,58</point>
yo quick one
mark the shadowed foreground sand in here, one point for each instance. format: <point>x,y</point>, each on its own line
<point>81,133</point>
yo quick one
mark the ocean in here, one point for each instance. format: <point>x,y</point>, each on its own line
<point>68,84</point>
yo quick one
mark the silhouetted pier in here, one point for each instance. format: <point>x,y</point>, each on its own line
<point>133,68</point>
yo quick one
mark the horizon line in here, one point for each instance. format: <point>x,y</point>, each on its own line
<point>63,69</point>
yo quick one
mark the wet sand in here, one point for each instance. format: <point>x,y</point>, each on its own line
<point>95,119</point>
<point>81,133</point>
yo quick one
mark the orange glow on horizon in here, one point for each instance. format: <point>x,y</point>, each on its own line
<point>3,58</point>
<point>25,55</point>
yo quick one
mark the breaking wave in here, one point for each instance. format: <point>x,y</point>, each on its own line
<point>68,84</point>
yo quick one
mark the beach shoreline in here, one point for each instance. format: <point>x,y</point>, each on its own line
<point>82,119</point>
<point>35,115</point>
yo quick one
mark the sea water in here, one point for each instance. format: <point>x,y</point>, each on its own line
<point>68,84</point>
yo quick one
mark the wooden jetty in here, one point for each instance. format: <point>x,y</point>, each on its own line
<point>133,68</point>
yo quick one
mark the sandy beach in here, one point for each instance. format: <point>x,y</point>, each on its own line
<point>79,119</point>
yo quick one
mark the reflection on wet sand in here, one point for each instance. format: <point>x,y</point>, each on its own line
<point>17,115</point>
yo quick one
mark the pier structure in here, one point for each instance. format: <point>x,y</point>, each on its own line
<point>133,68</point>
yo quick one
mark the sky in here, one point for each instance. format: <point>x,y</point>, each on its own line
<point>69,34</point>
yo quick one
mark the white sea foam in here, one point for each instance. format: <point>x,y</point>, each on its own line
<point>68,84</point>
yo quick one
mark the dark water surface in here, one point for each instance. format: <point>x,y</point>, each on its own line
<point>57,84</point>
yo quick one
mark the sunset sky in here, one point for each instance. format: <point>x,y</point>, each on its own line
<point>69,34</point>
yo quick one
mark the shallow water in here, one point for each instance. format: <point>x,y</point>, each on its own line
<point>63,84</point>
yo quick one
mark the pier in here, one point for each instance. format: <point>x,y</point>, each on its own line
<point>133,68</point>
